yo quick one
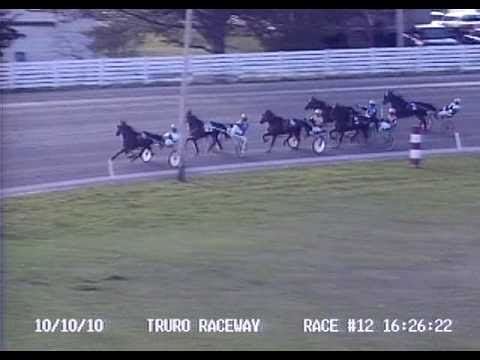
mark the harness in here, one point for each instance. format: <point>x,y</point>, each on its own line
<point>317,120</point>
<point>371,111</point>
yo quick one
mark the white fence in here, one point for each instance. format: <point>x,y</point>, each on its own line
<point>293,64</point>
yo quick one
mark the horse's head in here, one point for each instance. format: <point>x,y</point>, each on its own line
<point>311,103</point>
<point>314,103</point>
<point>191,119</point>
<point>121,128</point>
<point>388,97</point>
<point>267,117</point>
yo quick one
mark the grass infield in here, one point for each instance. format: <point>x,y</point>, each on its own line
<point>371,240</point>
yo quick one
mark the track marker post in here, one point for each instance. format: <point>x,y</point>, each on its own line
<point>111,173</point>
<point>415,153</point>
<point>458,142</point>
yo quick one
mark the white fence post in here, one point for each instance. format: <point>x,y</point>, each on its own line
<point>11,76</point>
<point>146,78</point>
<point>328,67</point>
<point>463,57</point>
<point>54,68</point>
<point>101,72</point>
<point>236,66</point>
<point>372,60</point>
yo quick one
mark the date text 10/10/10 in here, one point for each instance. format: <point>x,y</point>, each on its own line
<point>69,325</point>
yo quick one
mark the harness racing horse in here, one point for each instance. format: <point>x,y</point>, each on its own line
<point>314,103</point>
<point>344,120</point>
<point>279,126</point>
<point>132,140</point>
<point>421,110</point>
<point>199,130</point>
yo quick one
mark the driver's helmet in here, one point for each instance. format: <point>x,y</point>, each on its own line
<point>243,117</point>
<point>392,111</point>
<point>318,112</point>
<point>371,102</point>
<point>173,128</point>
<point>457,101</point>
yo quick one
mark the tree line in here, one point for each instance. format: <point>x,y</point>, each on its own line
<point>275,29</point>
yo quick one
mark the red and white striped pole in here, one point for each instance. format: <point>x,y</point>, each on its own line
<point>415,147</point>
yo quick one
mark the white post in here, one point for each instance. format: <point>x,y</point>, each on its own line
<point>55,74</point>
<point>101,71</point>
<point>399,20</point>
<point>110,168</point>
<point>145,71</point>
<point>183,93</point>
<point>458,141</point>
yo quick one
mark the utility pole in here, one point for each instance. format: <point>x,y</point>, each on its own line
<point>187,36</point>
<point>400,25</point>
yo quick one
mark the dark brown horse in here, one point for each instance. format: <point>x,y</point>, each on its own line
<point>199,129</point>
<point>280,126</point>
<point>422,111</point>
<point>132,140</point>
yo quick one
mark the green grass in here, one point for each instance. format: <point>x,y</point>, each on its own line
<point>377,240</point>
<point>158,45</point>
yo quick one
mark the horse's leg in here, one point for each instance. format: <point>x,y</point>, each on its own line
<point>212,144</point>
<point>352,139</point>
<point>265,135</point>
<point>135,157</point>
<point>423,123</point>
<point>192,139</point>
<point>217,140</point>
<point>331,132</point>
<point>365,133</point>
<point>118,153</point>
<point>186,143</point>
<point>340,138</point>
<point>274,137</point>
<point>298,135</point>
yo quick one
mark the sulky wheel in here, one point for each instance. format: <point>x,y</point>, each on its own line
<point>319,145</point>
<point>174,159</point>
<point>146,155</point>
<point>293,143</point>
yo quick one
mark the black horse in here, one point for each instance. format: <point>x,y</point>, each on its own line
<point>423,111</point>
<point>280,126</point>
<point>132,140</point>
<point>198,130</point>
<point>346,119</point>
<point>315,103</point>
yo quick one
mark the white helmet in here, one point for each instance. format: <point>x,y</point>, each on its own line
<point>318,111</point>
<point>243,116</point>
<point>371,102</point>
<point>392,111</point>
<point>173,127</point>
<point>456,101</point>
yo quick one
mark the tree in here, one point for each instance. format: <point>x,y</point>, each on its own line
<point>212,26</point>
<point>308,29</point>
